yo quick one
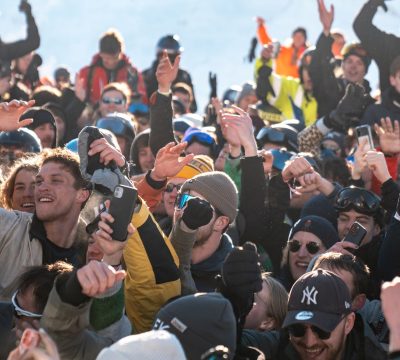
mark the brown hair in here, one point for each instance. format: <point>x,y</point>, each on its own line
<point>111,42</point>
<point>395,66</point>
<point>29,163</point>
<point>121,87</point>
<point>68,160</point>
<point>277,304</point>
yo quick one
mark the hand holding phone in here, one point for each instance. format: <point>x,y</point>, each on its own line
<point>364,132</point>
<point>356,234</point>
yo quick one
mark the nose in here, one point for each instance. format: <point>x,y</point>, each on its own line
<point>303,251</point>
<point>309,338</point>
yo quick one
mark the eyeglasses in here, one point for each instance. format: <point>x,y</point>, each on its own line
<point>170,187</point>
<point>19,312</point>
<point>299,330</point>
<point>182,199</point>
<point>116,101</point>
<point>295,245</point>
<point>358,199</point>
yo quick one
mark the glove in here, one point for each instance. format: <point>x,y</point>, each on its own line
<point>349,110</point>
<point>241,271</point>
<point>212,78</point>
<point>263,84</point>
<point>380,3</point>
<point>25,7</point>
<point>197,213</point>
<point>252,52</point>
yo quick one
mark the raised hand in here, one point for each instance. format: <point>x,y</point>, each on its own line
<point>107,152</point>
<point>268,160</point>
<point>166,72</point>
<point>169,161</point>
<point>197,213</point>
<point>296,168</point>
<point>97,277</point>
<point>376,162</point>
<point>242,124</point>
<point>326,17</point>
<point>80,90</point>
<point>389,136</point>
<point>390,297</point>
<point>10,112</point>
<point>360,164</point>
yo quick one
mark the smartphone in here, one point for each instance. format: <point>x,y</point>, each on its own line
<point>364,132</point>
<point>276,47</point>
<point>121,208</point>
<point>356,234</point>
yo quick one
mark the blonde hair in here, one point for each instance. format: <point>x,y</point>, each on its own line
<point>277,304</point>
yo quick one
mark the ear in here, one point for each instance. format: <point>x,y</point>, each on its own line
<point>349,322</point>
<point>392,80</point>
<point>82,195</point>
<point>358,302</point>
<point>221,223</point>
<point>267,325</point>
<point>377,228</point>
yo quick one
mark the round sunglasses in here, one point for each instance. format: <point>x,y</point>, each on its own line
<point>312,247</point>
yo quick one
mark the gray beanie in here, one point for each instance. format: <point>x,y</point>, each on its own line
<point>248,88</point>
<point>200,322</point>
<point>218,189</point>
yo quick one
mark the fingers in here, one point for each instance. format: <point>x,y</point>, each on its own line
<point>49,344</point>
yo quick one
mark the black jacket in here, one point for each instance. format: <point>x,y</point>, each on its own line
<point>381,46</point>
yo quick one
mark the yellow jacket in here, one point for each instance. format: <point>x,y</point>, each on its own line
<point>286,89</point>
<point>152,271</point>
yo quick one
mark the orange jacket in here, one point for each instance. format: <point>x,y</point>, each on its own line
<point>286,63</point>
<point>96,77</point>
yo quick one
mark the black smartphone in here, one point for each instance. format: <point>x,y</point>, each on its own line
<point>121,208</point>
<point>356,234</point>
<point>364,132</point>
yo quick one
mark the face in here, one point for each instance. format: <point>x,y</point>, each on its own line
<point>24,62</point>
<point>94,252</point>
<point>112,101</point>
<point>184,98</point>
<point>337,45</point>
<point>310,346</point>
<point>298,39</point>
<point>247,100</point>
<point>307,82</point>
<point>5,84</point>
<point>55,195</point>
<point>26,301</point>
<point>198,149</point>
<point>299,260</point>
<point>46,134</point>
<point>353,69</point>
<point>123,144</point>
<point>258,317</point>
<point>23,194</point>
<point>146,158</point>
<point>395,81</point>
<point>347,218</point>
<point>170,197</point>
<point>110,61</point>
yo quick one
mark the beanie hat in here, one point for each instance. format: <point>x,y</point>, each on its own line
<point>151,345</point>
<point>199,164</point>
<point>320,206</point>
<point>40,116</point>
<point>200,322</point>
<point>218,189</point>
<point>318,226</point>
<point>248,88</point>
<point>358,50</point>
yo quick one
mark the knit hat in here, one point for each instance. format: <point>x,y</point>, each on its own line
<point>318,298</point>
<point>318,226</point>
<point>200,322</point>
<point>218,189</point>
<point>358,50</point>
<point>151,345</point>
<point>199,164</point>
<point>248,88</point>
<point>320,205</point>
<point>40,116</point>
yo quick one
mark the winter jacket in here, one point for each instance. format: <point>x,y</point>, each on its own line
<point>96,77</point>
<point>286,63</point>
<point>290,97</point>
<point>17,49</point>
<point>381,46</point>
<point>150,79</point>
<point>361,344</point>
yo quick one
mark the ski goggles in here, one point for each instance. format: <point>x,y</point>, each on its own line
<point>361,200</point>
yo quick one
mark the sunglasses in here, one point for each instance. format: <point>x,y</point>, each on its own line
<point>19,312</point>
<point>170,187</point>
<point>358,199</point>
<point>299,330</point>
<point>182,199</point>
<point>116,101</point>
<point>295,245</point>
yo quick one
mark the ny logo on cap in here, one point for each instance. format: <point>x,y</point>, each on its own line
<point>310,295</point>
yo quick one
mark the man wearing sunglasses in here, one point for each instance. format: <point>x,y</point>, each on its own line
<point>319,324</point>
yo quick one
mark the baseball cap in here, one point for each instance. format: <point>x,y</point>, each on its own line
<point>318,298</point>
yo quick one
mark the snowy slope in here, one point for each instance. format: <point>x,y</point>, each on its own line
<point>215,34</point>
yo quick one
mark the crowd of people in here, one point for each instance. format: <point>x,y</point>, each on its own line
<point>134,225</point>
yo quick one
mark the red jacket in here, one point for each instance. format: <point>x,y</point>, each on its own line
<point>97,77</point>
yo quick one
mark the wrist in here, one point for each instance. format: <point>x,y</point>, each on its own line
<point>157,177</point>
<point>114,259</point>
<point>382,178</point>
<point>250,150</point>
<point>394,342</point>
<point>186,228</point>
<point>164,89</point>
<point>234,151</point>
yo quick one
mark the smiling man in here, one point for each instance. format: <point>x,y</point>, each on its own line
<point>51,233</point>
